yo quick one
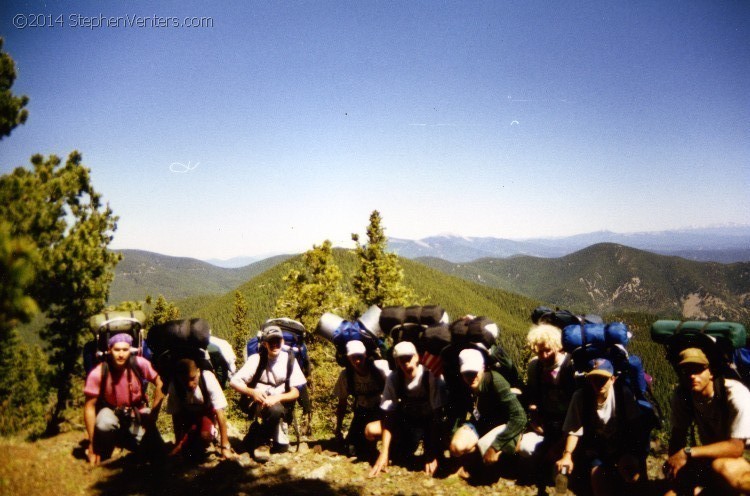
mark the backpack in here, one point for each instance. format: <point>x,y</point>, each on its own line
<point>105,325</point>
<point>373,370</point>
<point>724,344</point>
<point>561,318</point>
<point>588,341</point>
<point>294,334</point>
<point>177,339</point>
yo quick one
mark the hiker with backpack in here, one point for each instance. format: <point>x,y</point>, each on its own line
<point>720,409</point>
<point>363,378</point>
<point>496,419</point>
<point>604,429</point>
<point>550,385</point>
<point>412,403</point>
<point>197,405</point>
<point>271,380</point>
<point>116,410</point>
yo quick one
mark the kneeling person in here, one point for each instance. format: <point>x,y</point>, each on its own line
<point>116,410</point>
<point>364,379</point>
<point>497,419</point>
<point>197,403</point>
<point>271,379</point>
<point>412,402</point>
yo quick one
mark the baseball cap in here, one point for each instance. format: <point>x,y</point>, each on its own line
<point>600,366</point>
<point>471,360</point>
<point>272,332</point>
<point>403,349</point>
<point>355,347</point>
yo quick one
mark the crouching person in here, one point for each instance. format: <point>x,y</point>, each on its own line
<point>364,379</point>
<point>116,411</point>
<point>605,433</point>
<point>197,405</point>
<point>412,405</point>
<point>497,420</point>
<point>270,379</point>
<point>720,409</point>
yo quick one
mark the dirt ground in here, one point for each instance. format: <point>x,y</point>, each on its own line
<point>56,466</point>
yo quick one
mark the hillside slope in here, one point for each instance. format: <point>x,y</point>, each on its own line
<point>142,273</point>
<point>609,277</point>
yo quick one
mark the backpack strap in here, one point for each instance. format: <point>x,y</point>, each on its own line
<point>289,369</point>
<point>262,364</point>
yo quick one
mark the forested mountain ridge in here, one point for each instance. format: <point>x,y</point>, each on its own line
<point>141,273</point>
<point>608,277</point>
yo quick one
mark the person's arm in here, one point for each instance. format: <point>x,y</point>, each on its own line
<point>158,398</point>
<point>381,464</point>
<point>340,414</point>
<point>89,419</point>
<point>226,448</point>
<point>567,457</point>
<point>238,382</point>
<point>286,397</point>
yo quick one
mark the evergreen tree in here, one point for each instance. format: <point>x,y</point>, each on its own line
<point>164,311</point>
<point>57,207</point>
<point>379,280</point>
<point>313,288</point>
<point>240,325</point>
<point>12,111</point>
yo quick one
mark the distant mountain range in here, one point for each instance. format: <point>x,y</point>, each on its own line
<point>607,277</point>
<point>714,244</point>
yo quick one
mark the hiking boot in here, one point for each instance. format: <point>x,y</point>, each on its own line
<point>262,453</point>
<point>279,448</point>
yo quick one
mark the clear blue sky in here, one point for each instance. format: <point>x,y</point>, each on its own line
<point>287,123</point>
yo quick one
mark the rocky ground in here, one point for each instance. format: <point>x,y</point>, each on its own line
<point>57,466</point>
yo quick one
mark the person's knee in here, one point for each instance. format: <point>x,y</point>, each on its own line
<point>373,431</point>
<point>736,471</point>
<point>275,412</point>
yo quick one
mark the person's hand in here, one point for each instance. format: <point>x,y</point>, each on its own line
<point>270,401</point>
<point>491,456</point>
<point>258,396</point>
<point>627,466</point>
<point>675,463</point>
<point>430,467</point>
<point>381,464</point>
<point>565,462</point>
<point>93,457</point>
<point>227,453</point>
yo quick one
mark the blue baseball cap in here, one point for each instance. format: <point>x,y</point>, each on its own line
<point>600,366</point>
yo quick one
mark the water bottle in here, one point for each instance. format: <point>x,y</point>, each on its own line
<point>561,481</point>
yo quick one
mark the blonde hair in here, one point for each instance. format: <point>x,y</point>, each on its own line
<point>544,335</point>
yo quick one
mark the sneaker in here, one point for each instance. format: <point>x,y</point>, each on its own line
<point>262,454</point>
<point>279,448</point>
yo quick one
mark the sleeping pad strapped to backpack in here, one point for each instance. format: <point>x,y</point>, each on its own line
<point>588,341</point>
<point>724,343</point>
<point>177,339</point>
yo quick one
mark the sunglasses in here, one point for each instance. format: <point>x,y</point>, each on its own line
<point>274,343</point>
<point>688,370</point>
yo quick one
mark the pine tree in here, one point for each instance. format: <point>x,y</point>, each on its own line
<point>12,111</point>
<point>313,288</point>
<point>379,280</point>
<point>164,311</point>
<point>57,207</point>
<point>240,325</point>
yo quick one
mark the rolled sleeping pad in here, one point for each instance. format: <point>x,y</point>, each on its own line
<point>436,338</point>
<point>412,314</point>
<point>594,334</point>
<point>408,332</point>
<point>731,332</point>
<point>185,333</point>
<point>483,330</point>
<point>459,331</point>
<point>327,324</point>
<point>391,317</point>
<point>431,315</point>
<point>370,320</point>
<point>125,321</point>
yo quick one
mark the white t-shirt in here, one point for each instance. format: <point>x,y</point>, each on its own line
<point>606,424</point>
<point>364,385</point>
<point>194,400</point>
<point>712,420</point>
<point>414,390</point>
<point>272,379</point>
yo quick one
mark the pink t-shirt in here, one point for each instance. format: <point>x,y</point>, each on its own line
<point>126,391</point>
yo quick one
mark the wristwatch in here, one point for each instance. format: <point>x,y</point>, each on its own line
<point>688,452</point>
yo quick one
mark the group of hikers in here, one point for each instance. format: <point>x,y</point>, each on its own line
<point>464,410</point>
